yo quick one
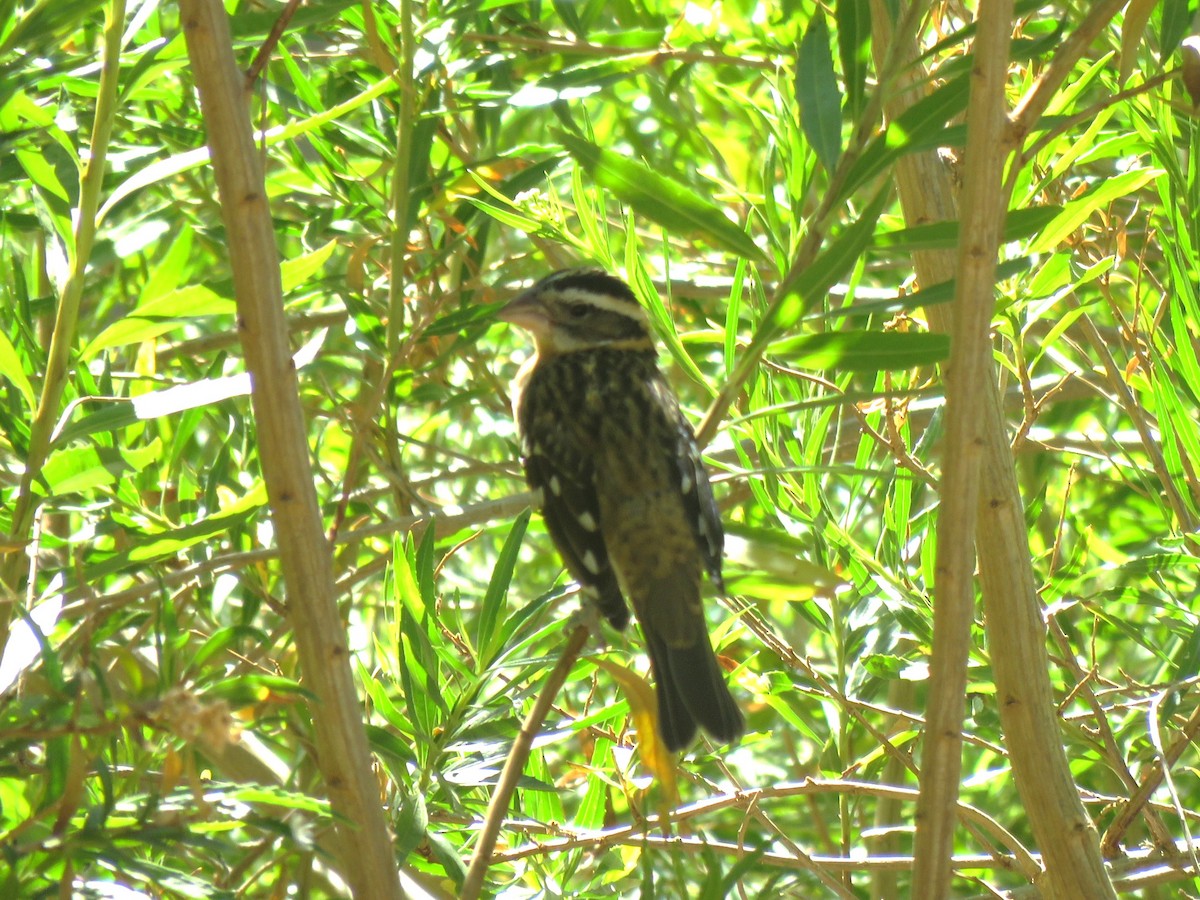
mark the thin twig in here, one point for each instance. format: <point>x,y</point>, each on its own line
<point>1110,844</point>
<point>263,56</point>
<point>503,508</point>
<point>1035,102</point>
<point>654,56</point>
<point>1021,860</point>
<point>515,764</point>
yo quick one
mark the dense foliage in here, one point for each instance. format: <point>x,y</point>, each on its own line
<point>423,162</point>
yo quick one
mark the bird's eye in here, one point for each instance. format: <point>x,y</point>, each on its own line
<point>578,310</point>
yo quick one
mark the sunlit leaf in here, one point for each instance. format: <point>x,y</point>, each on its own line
<point>863,351</point>
<point>661,198</point>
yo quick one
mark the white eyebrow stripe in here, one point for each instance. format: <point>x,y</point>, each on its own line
<point>608,304</point>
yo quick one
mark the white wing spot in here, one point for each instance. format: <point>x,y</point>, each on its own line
<point>587,520</point>
<point>591,563</point>
<point>688,483</point>
<point>555,486</point>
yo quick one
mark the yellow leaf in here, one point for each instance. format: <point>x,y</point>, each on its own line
<point>1137,15</point>
<point>643,708</point>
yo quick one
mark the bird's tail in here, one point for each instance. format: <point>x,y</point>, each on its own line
<point>692,691</point>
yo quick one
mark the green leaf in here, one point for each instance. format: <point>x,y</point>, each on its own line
<point>448,856</point>
<point>664,325</point>
<point>1175,17</point>
<point>246,690</point>
<point>922,126</point>
<point>595,803</point>
<point>676,207</point>
<point>817,91</point>
<point>11,368</point>
<point>161,315</point>
<point>853,18</point>
<point>942,292</point>
<point>507,217</point>
<point>1075,213</point>
<point>1133,28</point>
<point>224,638</point>
<point>150,545</point>
<point>296,271</point>
<point>1018,224</point>
<point>419,668</point>
<point>863,351</point>
<point>411,824</point>
<point>80,469</point>
<point>492,609</point>
<point>813,283</point>
<point>459,320</point>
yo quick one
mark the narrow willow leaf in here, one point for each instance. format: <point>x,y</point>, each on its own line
<point>595,803</point>
<point>1172,28</point>
<point>1137,17</point>
<point>818,94</point>
<point>1079,211</point>
<point>492,609</point>
<point>942,292</point>
<point>507,217</point>
<point>462,319</point>
<point>922,125</point>
<point>160,316</point>
<point>733,314</point>
<point>863,351</point>
<point>664,323</point>
<point>11,368</point>
<point>1018,224</point>
<point>853,19</point>
<point>82,468</point>
<point>223,639</point>
<point>299,269</point>
<point>660,198</point>
<point>811,285</point>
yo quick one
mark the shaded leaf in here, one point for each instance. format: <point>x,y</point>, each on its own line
<point>853,19</point>
<point>818,94</point>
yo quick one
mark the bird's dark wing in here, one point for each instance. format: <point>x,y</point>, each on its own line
<point>562,474</point>
<point>698,502</point>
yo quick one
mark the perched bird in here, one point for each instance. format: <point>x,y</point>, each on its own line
<point>623,491</point>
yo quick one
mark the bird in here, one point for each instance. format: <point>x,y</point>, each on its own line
<point>624,494</point>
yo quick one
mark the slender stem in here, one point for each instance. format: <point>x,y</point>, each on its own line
<point>401,210</point>
<point>515,764</point>
<point>969,371</point>
<point>65,325</point>
<point>362,846</point>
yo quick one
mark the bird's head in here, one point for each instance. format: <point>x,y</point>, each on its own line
<point>580,309</point>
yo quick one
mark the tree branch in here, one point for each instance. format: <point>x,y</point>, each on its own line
<point>364,846</point>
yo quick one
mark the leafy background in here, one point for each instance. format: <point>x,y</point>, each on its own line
<point>422,163</point>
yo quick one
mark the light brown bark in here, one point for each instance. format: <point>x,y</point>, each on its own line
<point>364,848</point>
